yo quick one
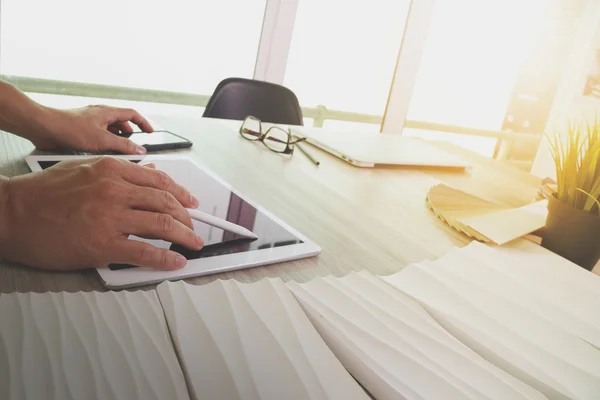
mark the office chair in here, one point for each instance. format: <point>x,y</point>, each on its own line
<point>236,98</point>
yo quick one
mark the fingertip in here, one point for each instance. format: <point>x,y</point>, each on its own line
<point>129,147</point>
<point>169,261</point>
<point>122,145</point>
<point>146,127</point>
<point>140,149</point>
<point>179,261</point>
<point>141,122</point>
<point>194,201</point>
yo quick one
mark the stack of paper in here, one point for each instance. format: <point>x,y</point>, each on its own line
<point>240,341</point>
<point>394,348</point>
<point>531,313</point>
<point>86,346</point>
<point>481,322</point>
<point>484,220</point>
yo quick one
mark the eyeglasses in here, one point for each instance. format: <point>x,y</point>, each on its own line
<point>276,138</point>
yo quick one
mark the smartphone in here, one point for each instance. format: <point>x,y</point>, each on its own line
<point>160,140</point>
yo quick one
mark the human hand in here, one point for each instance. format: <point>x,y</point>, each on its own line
<point>79,214</point>
<point>92,128</point>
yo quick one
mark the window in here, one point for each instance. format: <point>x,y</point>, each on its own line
<point>338,56</point>
<point>471,59</point>
<point>349,126</point>
<point>148,109</point>
<point>175,45</point>
<point>343,53</point>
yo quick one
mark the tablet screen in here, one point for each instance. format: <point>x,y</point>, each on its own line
<point>216,199</point>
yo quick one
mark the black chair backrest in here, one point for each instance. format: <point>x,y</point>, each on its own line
<point>236,98</point>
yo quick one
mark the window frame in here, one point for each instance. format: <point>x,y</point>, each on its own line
<point>275,40</point>
<point>407,65</point>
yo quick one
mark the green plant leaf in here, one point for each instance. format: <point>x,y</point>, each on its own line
<point>576,154</point>
<point>590,197</point>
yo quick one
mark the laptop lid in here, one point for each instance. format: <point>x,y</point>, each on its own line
<point>371,149</point>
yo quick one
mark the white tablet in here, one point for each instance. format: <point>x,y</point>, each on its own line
<point>223,251</point>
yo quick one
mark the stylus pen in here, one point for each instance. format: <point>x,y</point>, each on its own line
<point>310,157</point>
<point>221,223</point>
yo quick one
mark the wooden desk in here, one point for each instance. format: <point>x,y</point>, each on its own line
<point>373,219</point>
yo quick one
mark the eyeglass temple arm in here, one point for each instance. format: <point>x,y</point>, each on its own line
<point>297,140</point>
<point>250,132</point>
<point>274,139</point>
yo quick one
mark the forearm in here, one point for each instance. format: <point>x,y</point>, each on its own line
<point>21,115</point>
<point>4,214</point>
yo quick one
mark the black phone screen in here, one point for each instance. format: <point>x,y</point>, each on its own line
<point>159,140</point>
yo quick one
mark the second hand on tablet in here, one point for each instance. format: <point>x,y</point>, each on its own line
<point>221,223</point>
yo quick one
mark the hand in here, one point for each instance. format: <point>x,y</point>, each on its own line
<point>92,128</point>
<point>78,214</point>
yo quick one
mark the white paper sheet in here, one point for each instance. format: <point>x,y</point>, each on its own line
<point>519,334</point>
<point>394,348</point>
<point>506,225</point>
<point>86,346</point>
<point>251,341</point>
<point>554,278</point>
<point>470,267</point>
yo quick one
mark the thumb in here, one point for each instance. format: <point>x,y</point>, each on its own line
<point>122,145</point>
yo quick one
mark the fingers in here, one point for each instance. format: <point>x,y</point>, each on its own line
<point>154,225</point>
<point>149,199</point>
<point>149,177</point>
<point>120,144</point>
<point>128,114</point>
<point>145,255</point>
<point>124,127</point>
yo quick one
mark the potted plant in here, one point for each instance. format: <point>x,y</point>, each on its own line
<point>573,224</point>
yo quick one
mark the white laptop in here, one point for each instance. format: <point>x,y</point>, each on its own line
<point>223,251</point>
<point>372,149</point>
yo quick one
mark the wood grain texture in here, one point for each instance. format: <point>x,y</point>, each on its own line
<point>373,219</point>
<point>87,346</point>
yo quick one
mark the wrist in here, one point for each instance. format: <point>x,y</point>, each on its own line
<point>41,126</point>
<point>24,117</point>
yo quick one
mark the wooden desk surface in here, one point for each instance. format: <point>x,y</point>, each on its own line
<point>373,219</point>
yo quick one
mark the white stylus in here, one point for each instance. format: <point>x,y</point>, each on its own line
<point>220,223</point>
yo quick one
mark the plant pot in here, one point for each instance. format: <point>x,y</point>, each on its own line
<point>573,234</point>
